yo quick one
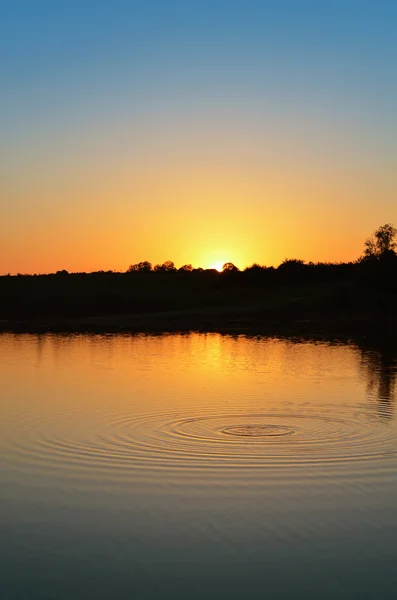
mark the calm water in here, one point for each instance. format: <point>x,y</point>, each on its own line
<point>196,466</point>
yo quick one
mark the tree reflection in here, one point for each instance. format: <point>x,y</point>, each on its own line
<point>379,363</point>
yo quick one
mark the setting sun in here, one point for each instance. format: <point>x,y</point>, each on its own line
<point>217,265</point>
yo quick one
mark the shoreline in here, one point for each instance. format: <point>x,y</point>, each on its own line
<point>225,321</point>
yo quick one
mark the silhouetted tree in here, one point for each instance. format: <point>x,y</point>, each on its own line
<point>168,266</point>
<point>292,262</point>
<point>256,269</point>
<point>229,268</point>
<point>187,268</point>
<point>293,269</point>
<point>144,266</point>
<point>292,265</point>
<point>381,243</point>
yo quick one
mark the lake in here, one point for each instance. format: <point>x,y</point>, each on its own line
<point>198,466</point>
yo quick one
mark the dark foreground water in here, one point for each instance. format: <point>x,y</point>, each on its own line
<point>196,466</point>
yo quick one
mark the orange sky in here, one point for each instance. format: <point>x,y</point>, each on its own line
<point>92,218</point>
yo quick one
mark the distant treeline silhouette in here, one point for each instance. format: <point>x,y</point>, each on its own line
<point>295,290</point>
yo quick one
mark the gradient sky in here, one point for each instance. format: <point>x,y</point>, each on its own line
<point>198,131</point>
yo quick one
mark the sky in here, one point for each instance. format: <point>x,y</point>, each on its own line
<point>197,131</point>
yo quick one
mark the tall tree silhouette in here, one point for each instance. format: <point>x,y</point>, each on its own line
<point>382,242</point>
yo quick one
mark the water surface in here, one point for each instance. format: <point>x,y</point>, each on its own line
<point>196,466</point>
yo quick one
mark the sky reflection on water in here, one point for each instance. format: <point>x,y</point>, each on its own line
<point>119,476</point>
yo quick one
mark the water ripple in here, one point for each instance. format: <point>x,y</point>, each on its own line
<point>153,441</point>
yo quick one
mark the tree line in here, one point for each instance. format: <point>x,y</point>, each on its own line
<point>294,290</point>
<point>378,248</point>
<point>379,254</point>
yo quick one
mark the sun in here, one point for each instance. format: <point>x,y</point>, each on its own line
<point>218,265</point>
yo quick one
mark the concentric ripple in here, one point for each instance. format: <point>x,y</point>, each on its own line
<point>134,442</point>
<point>258,430</point>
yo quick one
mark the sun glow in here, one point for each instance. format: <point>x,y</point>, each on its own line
<point>217,265</point>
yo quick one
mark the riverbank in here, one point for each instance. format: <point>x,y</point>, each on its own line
<point>267,304</point>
